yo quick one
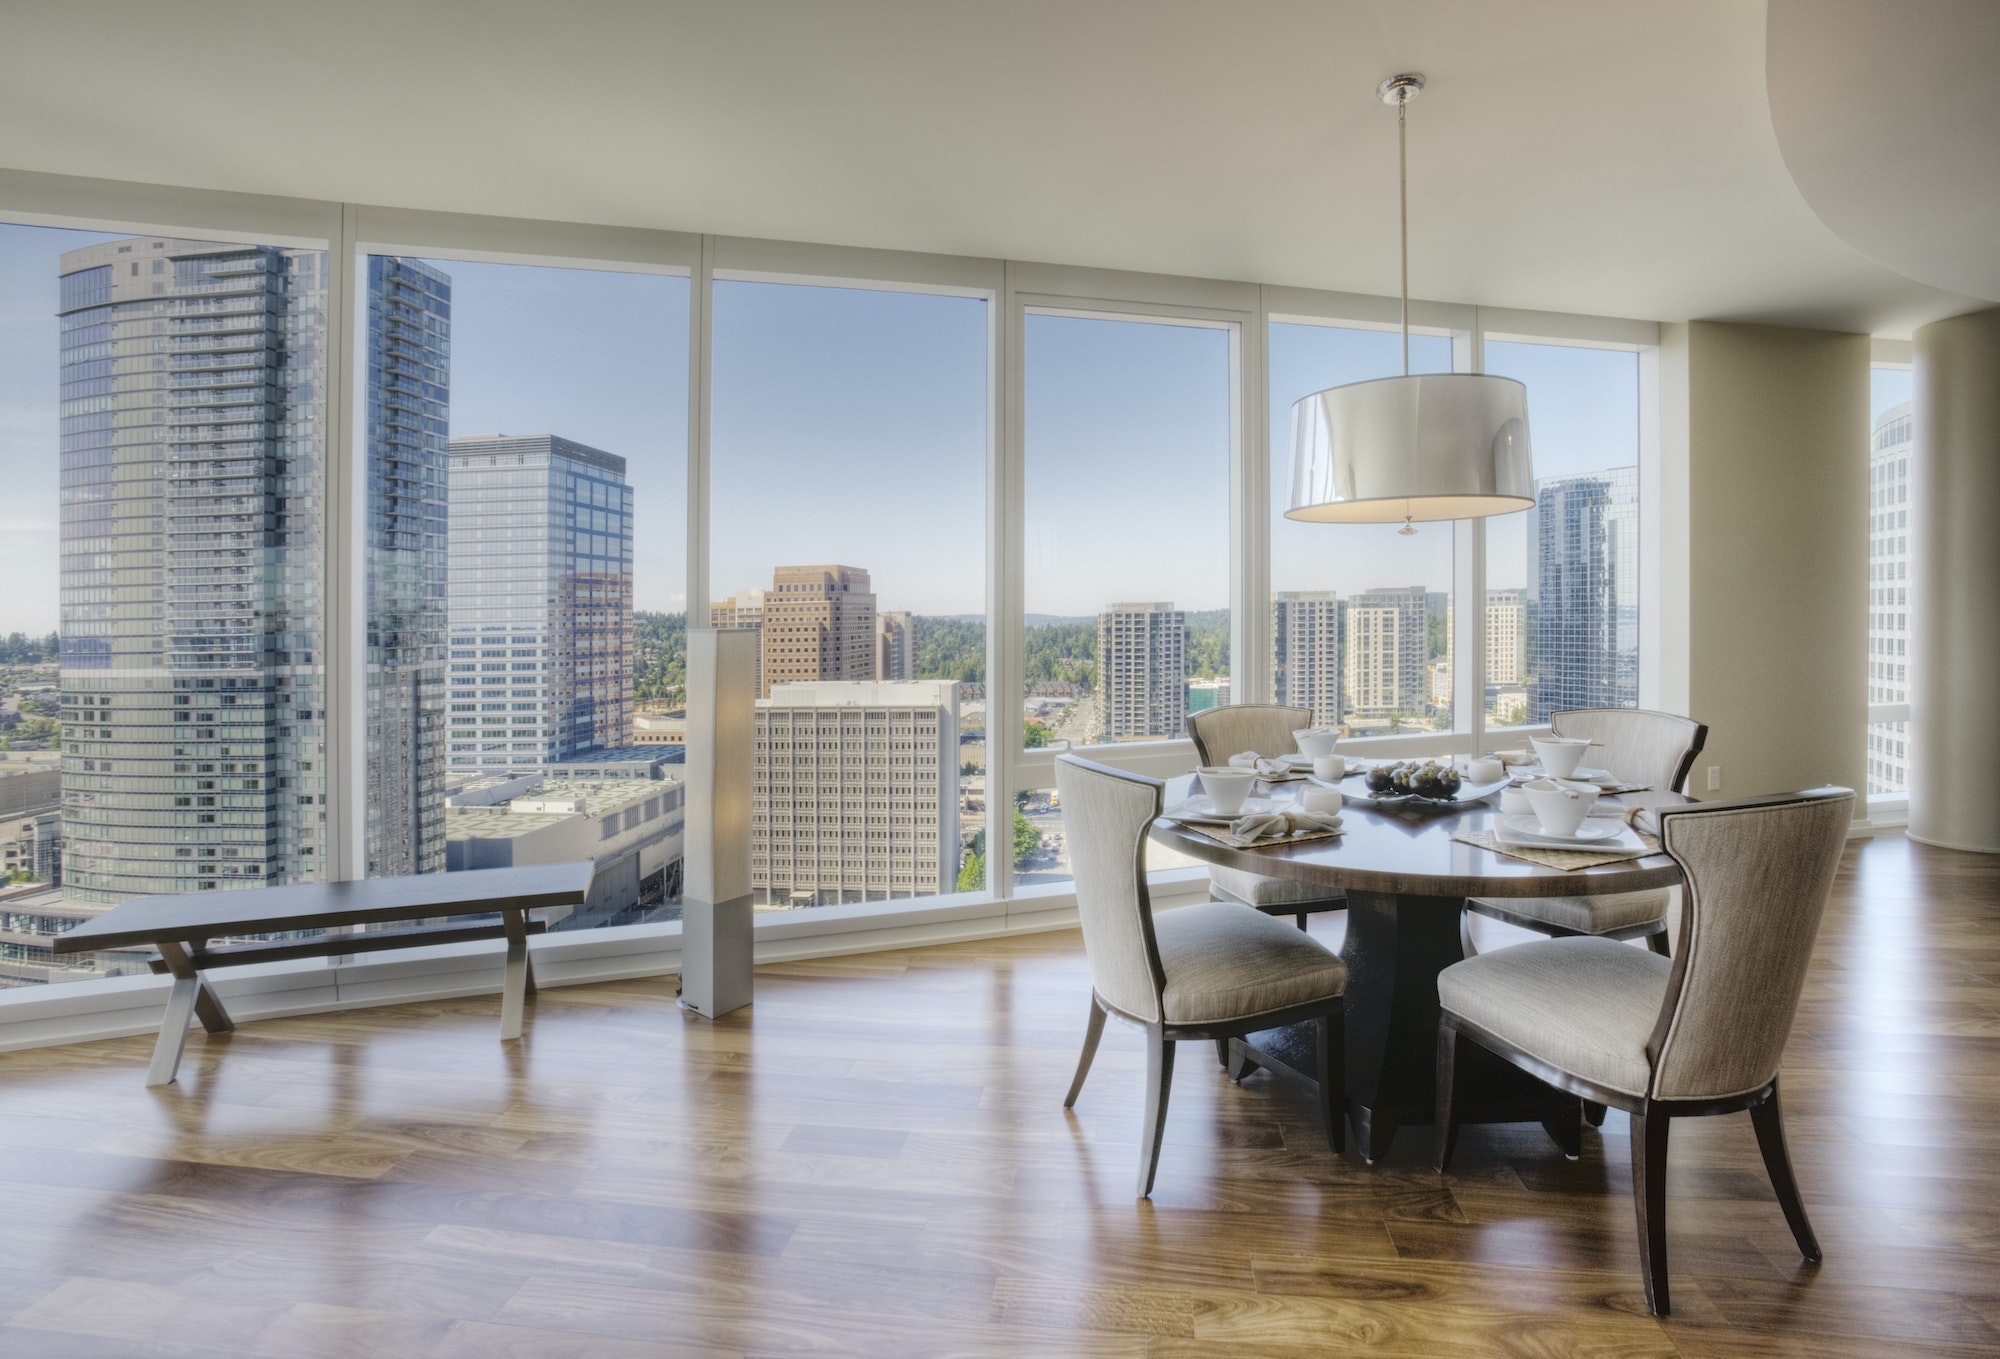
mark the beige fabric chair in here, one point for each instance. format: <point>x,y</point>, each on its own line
<point>1265,728</point>
<point>1653,749</point>
<point>1214,971</point>
<point>1701,1033</point>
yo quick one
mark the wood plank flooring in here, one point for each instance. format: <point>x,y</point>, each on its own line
<point>873,1160</point>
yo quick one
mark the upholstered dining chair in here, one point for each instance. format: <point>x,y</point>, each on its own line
<point>1652,749</point>
<point>1662,1039</point>
<point>1213,971</point>
<point>1265,728</point>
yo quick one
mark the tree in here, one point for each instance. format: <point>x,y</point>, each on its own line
<point>1027,839</point>
<point>951,649</point>
<point>1208,643</point>
<point>659,656</point>
<point>1037,733</point>
<point>972,875</point>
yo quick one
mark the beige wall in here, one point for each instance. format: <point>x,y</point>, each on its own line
<point>1771,425</point>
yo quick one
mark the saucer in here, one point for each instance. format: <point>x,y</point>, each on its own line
<point>1200,810</point>
<point>1527,828</point>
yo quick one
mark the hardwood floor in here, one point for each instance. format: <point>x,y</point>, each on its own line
<point>874,1160</point>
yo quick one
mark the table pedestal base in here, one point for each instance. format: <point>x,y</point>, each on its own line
<point>1394,950</point>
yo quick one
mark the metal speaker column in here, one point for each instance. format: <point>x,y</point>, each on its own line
<point>716,940</point>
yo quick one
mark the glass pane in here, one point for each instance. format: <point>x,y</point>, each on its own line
<point>1041,846</point>
<point>1127,527</point>
<point>1889,455</point>
<point>1360,613</point>
<point>1562,580</point>
<point>848,522</point>
<point>527,457</point>
<point>163,464</point>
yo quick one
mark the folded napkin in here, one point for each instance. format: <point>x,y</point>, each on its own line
<point>1266,769</point>
<point>1270,825</point>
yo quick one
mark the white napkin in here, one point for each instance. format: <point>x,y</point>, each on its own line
<point>1268,824</point>
<point>1266,769</point>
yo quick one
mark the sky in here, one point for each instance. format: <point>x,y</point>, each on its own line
<point>850,426</point>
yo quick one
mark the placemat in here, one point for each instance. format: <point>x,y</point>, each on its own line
<point>1222,837</point>
<point>1568,860</point>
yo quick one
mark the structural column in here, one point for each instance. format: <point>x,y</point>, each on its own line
<point>1955,590</point>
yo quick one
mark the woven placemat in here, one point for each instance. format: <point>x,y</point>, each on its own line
<point>1223,837</point>
<point>1568,860</point>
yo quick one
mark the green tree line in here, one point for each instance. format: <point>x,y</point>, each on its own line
<point>17,648</point>
<point>659,655</point>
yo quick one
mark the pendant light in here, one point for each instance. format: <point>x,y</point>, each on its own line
<point>1414,448</point>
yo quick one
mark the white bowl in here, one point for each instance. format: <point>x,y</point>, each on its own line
<point>1560,807</point>
<point>1332,768</point>
<point>1226,788</point>
<point>1325,801</point>
<point>1315,743</point>
<point>1560,755</point>
<point>1485,769</point>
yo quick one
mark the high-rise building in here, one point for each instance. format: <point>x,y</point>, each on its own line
<point>819,624</point>
<point>1141,671</point>
<point>1305,652</point>
<point>895,646</point>
<point>191,566</point>
<point>1584,532</point>
<point>1889,595</point>
<point>541,602</point>
<point>1506,638</point>
<point>854,793</point>
<point>743,610</point>
<point>1386,635</point>
<point>409,422</point>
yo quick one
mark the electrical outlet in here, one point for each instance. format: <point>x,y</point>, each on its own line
<point>1715,778</point>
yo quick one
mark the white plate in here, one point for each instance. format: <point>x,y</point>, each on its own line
<point>1468,793</point>
<point>1200,810</point>
<point>1589,833</point>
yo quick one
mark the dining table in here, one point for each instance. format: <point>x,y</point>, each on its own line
<point>1407,878</point>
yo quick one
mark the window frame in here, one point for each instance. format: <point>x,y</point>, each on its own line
<point>1012,290</point>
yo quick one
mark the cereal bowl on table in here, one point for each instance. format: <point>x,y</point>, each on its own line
<point>1226,788</point>
<point>1560,755</point>
<point>1560,807</point>
<point>1316,743</point>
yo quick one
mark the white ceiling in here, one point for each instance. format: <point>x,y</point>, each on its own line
<point>1569,155</point>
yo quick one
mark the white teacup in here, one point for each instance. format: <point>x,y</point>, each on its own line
<point>1226,788</point>
<point>1560,807</point>
<point>1324,801</point>
<point>1560,755</point>
<point>1315,743</point>
<point>1330,768</point>
<point>1485,769</point>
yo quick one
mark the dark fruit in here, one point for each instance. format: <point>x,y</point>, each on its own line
<point>1378,778</point>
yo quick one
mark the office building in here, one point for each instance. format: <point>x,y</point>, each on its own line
<point>1305,652</point>
<point>855,793</point>
<point>1506,638</point>
<point>1890,448</point>
<point>819,624</point>
<point>1385,635</point>
<point>1583,532</point>
<point>191,567</point>
<point>745,610</point>
<point>541,602</point>
<point>1203,694</point>
<point>895,646</point>
<point>1141,672</point>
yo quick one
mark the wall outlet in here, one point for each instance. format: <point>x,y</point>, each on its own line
<point>1715,778</point>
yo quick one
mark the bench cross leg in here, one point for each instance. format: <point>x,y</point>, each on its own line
<point>519,981</point>
<point>190,999</point>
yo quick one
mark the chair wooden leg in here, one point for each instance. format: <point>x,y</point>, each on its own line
<point>1222,1052</point>
<point>1330,1038</point>
<point>1593,1113</point>
<point>1450,1041</point>
<point>1657,941</point>
<point>1159,1078</point>
<point>1091,1034</point>
<point>1241,1062</point>
<point>1301,918</point>
<point>1770,1124</point>
<point>1566,1130</point>
<point>1649,1201</point>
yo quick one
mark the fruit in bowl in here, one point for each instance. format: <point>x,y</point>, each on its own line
<point>1416,778</point>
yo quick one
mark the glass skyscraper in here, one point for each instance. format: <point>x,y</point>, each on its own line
<point>1584,532</point>
<point>541,602</point>
<point>191,566</point>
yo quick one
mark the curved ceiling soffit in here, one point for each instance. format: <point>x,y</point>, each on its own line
<point>1888,118</point>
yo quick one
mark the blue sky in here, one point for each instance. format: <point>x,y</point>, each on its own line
<point>851,426</point>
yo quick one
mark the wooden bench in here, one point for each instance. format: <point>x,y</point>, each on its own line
<point>182,926</point>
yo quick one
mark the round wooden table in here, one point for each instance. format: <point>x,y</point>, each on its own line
<point>1406,881</point>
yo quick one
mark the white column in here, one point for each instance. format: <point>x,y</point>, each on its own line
<point>1955,593</point>
<point>716,938</point>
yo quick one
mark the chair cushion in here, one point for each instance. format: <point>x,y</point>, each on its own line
<point>1586,1006</point>
<point>1226,961</point>
<point>1256,890</point>
<point>1588,915</point>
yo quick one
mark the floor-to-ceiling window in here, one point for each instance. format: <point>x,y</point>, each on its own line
<point>1562,580</point>
<point>1890,448</point>
<point>847,528</point>
<point>526,455</point>
<point>162,667</point>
